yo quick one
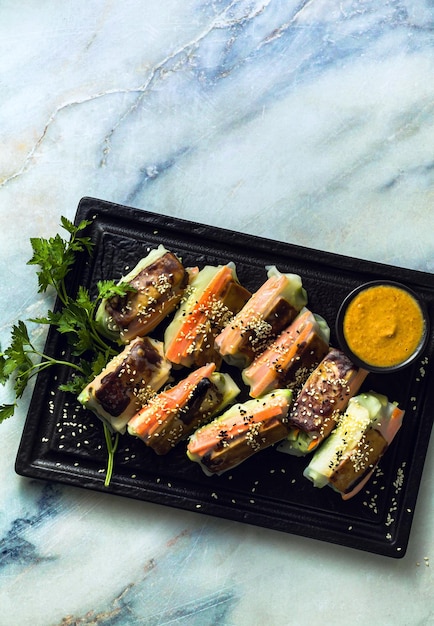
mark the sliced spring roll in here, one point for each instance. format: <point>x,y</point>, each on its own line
<point>240,432</point>
<point>158,281</point>
<point>290,358</point>
<point>173,414</point>
<point>127,382</point>
<point>322,399</point>
<point>270,309</point>
<point>347,459</point>
<point>214,297</point>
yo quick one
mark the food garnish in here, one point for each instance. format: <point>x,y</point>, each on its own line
<point>73,317</point>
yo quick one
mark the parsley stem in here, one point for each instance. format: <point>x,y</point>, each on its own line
<point>100,342</point>
<point>112,444</point>
<point>103,345</point>
<point>50,361</point>
<point>44,364</point>
<point>47,361</point>
<point>61,292</point>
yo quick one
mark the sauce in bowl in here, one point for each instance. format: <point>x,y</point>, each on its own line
<point>382,325</point>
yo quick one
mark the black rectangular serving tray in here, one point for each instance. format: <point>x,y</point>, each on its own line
<point>63,442</point>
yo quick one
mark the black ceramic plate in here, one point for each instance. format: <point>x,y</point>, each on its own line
<point>65,443</point>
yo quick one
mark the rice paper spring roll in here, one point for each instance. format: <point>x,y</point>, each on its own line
<point>322,399</point>
<point>290,358</point>
<point>240,432</point>
<point>158,282</point>
<point>213,298</point>
<point>270,309</point>
<point>127,382</point>
<point>348,458</point>
<point>175,413</point>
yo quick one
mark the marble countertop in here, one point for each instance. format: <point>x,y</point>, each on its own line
<point>310,122</point>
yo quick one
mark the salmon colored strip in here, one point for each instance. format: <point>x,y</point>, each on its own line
<point>390,429</point>
<point>261,373</point>
<point>148,419</point>
<point>258,304</point>
<point>153,416</point>
<point>358,487</point>
<point>181,342</point>
<point>293,348</point>
<point>206,438</point>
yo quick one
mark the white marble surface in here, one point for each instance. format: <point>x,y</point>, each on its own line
<point>306,121</point>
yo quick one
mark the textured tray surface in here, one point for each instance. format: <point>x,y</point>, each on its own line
<point>63,442</point>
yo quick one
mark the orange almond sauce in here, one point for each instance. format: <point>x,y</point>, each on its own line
<point>383,325</point>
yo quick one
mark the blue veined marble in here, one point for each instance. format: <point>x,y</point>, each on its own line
<point>155,594</point>
<point>15,548</point>
<point>310,122</point>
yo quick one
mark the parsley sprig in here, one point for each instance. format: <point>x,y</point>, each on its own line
<point>74,318</point>
<point>56,256</point>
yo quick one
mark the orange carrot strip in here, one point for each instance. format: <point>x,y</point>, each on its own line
<point>149,418</point>
<point>277,357</point>
<point>312,444</point>
<point>181,342</point>
<point>208,436</point>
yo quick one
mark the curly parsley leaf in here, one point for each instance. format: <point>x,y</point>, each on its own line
<point>89,370</point>
<point>108,289</point>
<point>21,360</point>
<point>6,411</point>
<point>75,319</point>
<point>3,375</point>
<point>55,256</point>
<point>17,358</point>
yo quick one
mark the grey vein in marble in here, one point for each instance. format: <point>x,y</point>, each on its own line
<point>15,548</point>
<point>246,43</point>
<point>243,59</point>
<point>185,604</point>
<point>249,36</point>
